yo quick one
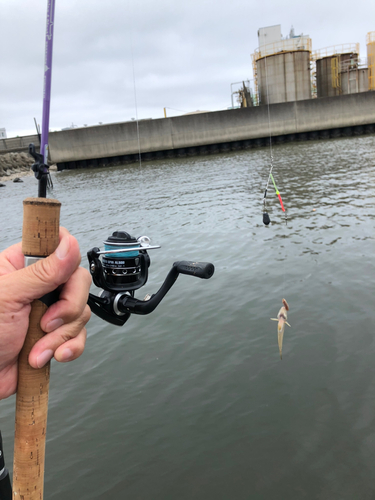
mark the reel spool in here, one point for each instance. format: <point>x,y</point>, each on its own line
<point>124,264</point>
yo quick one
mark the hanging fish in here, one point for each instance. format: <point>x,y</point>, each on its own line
<point>282,317</point>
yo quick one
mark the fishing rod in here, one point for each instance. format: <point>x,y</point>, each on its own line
<point>40,238</point>
<point>122,270</point>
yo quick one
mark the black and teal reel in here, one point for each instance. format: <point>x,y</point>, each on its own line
<point>124,269</point>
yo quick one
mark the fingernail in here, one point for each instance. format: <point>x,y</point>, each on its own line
<point>66,355</point>
<point>63,248</point>
<point>43,358</point>
<point>54,325</point>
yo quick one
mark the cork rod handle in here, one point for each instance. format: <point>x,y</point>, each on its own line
<point>40,237</point>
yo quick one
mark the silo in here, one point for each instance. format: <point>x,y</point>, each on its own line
<point>337,70</point>
<point>353,79</point>
<point>370,40</point>
<point>282,70</point>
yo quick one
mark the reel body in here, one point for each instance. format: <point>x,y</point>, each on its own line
<point>123,270</point>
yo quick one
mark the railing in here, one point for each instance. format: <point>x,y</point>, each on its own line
<point>353,65</point>
<point>288,45</point>
<point>334,50</point>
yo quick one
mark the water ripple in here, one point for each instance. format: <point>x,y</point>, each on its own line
<point>193,400</point>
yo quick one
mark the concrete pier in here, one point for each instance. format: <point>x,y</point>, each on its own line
<point>220,130</point>
<point>212,132</point>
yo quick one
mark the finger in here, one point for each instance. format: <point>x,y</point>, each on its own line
<point>72,349</point>
<point>72,301</point>
<point>11,259</point>
<point>8,378</point>
<point>70,335</point>
<point>47,274</point>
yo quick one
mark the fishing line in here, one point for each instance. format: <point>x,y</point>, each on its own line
<point>266,217</point>
<point>282,314</point>
<point>135,99</point>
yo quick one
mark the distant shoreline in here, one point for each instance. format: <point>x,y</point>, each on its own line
<point>14,165</point>
<point>15,174</point>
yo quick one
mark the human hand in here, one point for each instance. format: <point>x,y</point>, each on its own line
<point>64,321</point>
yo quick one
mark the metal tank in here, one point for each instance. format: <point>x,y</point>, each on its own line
<point>354,80</point>
<point>282,69</point>
<point>370,40</point>
<point>338,71</point>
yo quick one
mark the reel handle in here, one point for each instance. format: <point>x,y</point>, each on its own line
<point>117,302</point>
<point>203,270</point>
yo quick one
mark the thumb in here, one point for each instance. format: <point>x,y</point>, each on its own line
<point>48,273</point>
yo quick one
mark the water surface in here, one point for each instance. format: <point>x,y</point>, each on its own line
<point>193,401</point>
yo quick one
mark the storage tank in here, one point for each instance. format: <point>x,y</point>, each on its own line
<point>353,79</point>
<point>370,40</point>
<point>282,69</point>
<point>337,70</point>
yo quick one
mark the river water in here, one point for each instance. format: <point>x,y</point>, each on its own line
<point>193,401</point>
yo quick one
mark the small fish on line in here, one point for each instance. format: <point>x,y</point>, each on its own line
<point>282,317</point>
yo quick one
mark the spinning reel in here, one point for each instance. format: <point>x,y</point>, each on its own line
<point>123,270</point>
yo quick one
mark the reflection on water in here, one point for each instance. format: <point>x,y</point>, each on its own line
<point>193,400</point>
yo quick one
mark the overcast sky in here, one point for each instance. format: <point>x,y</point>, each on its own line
<point>185,54</point>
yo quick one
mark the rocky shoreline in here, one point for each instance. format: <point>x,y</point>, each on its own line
<point>14,165</point>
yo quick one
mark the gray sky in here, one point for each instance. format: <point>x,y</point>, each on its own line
<point>185,54</point>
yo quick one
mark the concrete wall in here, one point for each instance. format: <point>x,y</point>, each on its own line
<point>18,143</point>
<point>212,128</point>
<point>284,77</point>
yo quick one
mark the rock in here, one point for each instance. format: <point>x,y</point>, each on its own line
<point>12,163</point>
<point>17,179</point>
<point>2,185</point>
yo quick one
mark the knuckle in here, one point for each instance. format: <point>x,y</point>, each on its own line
<point>75,311</point>
<point>86,314</point>
<point>66,336</point>
<point>86,276</point>
<point>42,271</point>
<point>83,337</point>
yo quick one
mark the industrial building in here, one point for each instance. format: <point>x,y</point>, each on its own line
<point>310,95</point>
<point>287,69</point>
<point>339,71</point>
<point>282,66</point>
